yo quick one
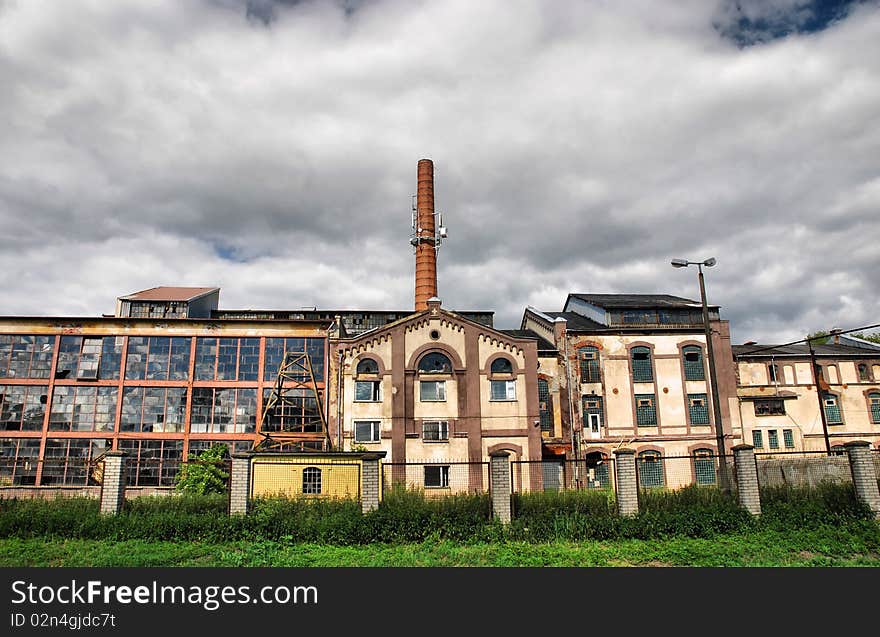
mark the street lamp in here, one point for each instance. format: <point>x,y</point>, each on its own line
<point>713,376</point>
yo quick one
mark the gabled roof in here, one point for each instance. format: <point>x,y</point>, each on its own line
<point>636,301</point>
<point>544,346</point>
<point>168,293</point>
<point>802,351</point>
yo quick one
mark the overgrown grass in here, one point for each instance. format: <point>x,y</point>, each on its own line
<point>406,517</point>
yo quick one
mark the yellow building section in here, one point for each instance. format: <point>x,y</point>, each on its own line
<point>311,476</point>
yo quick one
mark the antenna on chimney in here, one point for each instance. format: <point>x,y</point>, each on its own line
<point>428,233</point>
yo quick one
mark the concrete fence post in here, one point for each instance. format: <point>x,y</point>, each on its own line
<point>747,478</point>
<point>626,483</point>
<point>113,483</point>
<point>864,476</point>
<point>499,485</point>
<point>240,484</point>
<point>371,484</point>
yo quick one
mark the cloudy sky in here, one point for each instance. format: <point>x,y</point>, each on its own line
<point>270,148</point>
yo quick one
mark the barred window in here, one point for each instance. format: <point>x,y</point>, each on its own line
<point>773,438</point>
<point>650,469</point>
<point>757,439</point>
<point>693,363</point>
<point>545,406</point>
<point>589,364</point>
<point>832,409</point>
<point>436,476</point>
<point>704,466</point>
<point>642,369</point>
<point>788,438</point>
<point>646,411</point>
<point>874,402</point>
<point>699,410</point>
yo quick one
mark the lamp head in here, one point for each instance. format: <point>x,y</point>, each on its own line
<point>679,263</point>
<point>710,262</point>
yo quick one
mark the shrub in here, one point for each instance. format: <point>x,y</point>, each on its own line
<point>203,473</point>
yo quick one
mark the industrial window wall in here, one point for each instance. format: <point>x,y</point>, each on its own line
<point>154,397</point>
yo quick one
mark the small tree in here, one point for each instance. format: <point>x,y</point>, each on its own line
<point>203,473</point>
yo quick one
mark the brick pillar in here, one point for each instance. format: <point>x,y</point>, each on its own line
<point>864,475</point>
<point>747,478</point>
<point>240,484</point>
<point>499,485</point>
<point>113,483</point>
<point>625,481</point>
<point>371,484</point>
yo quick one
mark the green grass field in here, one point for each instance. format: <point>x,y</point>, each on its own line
<point>849,545</point>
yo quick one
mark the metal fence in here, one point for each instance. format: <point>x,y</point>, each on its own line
<point>561,475</point>
<point>437,478</point>
<point>676,472</point>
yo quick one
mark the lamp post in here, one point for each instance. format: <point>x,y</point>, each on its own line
<point>713,376</point>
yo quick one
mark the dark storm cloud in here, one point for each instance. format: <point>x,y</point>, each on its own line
<point>270,148</point>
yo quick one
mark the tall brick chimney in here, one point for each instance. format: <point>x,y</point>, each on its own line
<point>425,239</point>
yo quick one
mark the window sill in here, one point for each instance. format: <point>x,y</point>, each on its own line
<point>430,441</point>
<point>375,402</point>
<point>502,400</point>
<point>367,442</point>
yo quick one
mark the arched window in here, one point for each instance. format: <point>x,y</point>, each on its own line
<point>589,360</point>
<point>832,409</point>
<point>874,405</point>
<point>642,368</point>
<point>435,363</point>
<point>505,387</point>
<point>864,376</point>
<point>597,470</point>
<point>502,366</point>
<point>693,363</point>
<point>367,366</point>
<point>311,480</point>
<point>704,466</point>
<point>650,469</point>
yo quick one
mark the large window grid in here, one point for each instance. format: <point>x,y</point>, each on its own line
<point>223,410</point>
<point>642,368</point>
<point>19,461</point>
<point>704,466</point>
<point>79,408</point>
<point>157,358</point>
<point>153,409</point>
<point>89,357</point>
<point>693,363</point>
<point>277,347</point>
<point>151,462</point>
<point>22,407</point>
<point>297,412</point>
<point>227,359</point>
<point>26,356</point>
<point>69,461</point>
